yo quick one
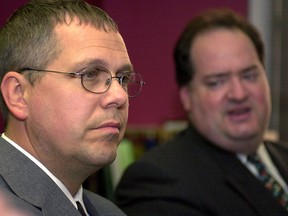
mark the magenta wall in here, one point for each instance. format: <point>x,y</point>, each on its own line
<point>150,29</point>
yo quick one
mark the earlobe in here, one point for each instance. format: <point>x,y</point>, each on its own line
<point>13,91</point>
<point>185,97</point>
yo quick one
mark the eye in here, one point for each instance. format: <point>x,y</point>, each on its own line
<point>215,82</point>
<point>92,73</point>
<point>250,75</point>
<point>127,78</point>
<point>96,75</point>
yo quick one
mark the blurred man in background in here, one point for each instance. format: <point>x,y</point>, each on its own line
<point>212,167</point>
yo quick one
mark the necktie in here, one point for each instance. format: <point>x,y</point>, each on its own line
<point>80,209</point>
<point>269,182</point>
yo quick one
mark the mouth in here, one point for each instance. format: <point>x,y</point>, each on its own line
<point>112,126</point>
<point>239,114</point>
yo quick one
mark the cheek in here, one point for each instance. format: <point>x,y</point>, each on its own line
<point>54,110</point>
<point>124,115</point>
<point>261,97</point>
<point>207,102</point>
<point>207,112</point>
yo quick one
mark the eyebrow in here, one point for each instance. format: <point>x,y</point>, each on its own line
<point>99,62</point>
<point>225,73</point>
<point>252,67</point>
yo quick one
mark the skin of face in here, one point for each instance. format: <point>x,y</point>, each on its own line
<point>71,131</point>
<point>228,100</point>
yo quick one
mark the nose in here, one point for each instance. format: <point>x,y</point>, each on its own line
<point>116,94</point>
<point>237,90</point>
<point>117,78</point>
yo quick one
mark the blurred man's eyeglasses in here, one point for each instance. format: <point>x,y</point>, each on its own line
<point>98,79</point>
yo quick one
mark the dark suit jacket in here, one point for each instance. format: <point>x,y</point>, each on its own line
<point>32,191</point>
<point>191,176</point>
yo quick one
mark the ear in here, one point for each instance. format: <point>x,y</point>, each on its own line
<point>185,96</point>
<point>13,91</point>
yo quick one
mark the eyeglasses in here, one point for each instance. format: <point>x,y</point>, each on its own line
<point>98,79</point>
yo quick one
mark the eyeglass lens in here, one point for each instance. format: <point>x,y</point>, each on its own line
<point>98,80</point>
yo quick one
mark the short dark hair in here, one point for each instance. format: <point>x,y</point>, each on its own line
<point>28,38</point>
<point>211,19</point>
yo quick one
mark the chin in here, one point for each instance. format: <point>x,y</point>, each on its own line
<point>244,132</point>
<point>110,157</point>
<point>103,161</point>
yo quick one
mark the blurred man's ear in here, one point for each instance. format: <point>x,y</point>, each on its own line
<point>13,91</point>
<point>185,97</point>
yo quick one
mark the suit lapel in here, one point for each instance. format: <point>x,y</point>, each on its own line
<point>239,178</point>
<point>279,156</point>
<point>31,183</point>
<point>89,206</point>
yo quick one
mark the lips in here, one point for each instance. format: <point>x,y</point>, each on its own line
<point>240,113</point>
<point>112,124</point>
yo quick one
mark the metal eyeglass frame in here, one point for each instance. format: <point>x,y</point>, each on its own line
<point>81,73</point>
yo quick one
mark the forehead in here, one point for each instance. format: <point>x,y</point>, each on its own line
<point>79,33</point>
<point>223,50</point>
<point>81,42</point>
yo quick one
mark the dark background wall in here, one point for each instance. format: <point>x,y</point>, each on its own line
<point>150,30</point>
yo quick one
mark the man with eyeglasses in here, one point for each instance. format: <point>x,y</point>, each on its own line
<point>66,78</point>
